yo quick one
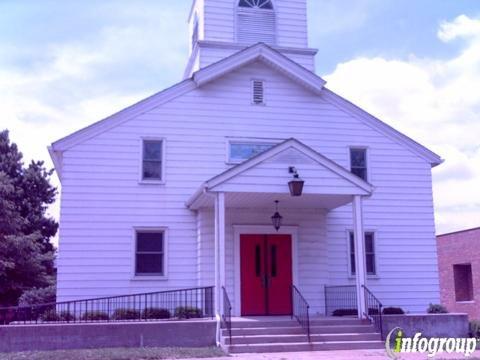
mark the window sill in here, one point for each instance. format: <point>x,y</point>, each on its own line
<point>151,182</point>
<point>370,277</point>
<point>466,302</point>
<point>149,278</point>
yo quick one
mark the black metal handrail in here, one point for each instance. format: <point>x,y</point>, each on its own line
<point>341,300</point>
<point>227,313</point>
<point>375,308</point>
<point>300,310</point>
<point>183,304</point>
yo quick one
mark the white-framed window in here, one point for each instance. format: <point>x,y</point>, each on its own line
<point>370,256</point>
<point>256,22</point>
<point>240,150</point>
<point>153,160</point>
<point>261,4</point>
<point>150,252</point>
<point>358,162</point>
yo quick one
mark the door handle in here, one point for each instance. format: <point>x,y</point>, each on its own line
<point>265,281</point>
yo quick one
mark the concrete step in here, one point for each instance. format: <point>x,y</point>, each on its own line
<point>288,330</point>
<point>305,346</point>
<point>286,323</point>
<point>299,338</point>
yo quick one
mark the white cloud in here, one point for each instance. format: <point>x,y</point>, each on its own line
<point>434,101</point>
<point>75,83</point>
<point>462,26</point>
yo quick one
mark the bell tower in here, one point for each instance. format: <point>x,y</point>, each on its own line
<point>220,28</point>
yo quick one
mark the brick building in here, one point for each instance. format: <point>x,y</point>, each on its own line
<point>459,271</point>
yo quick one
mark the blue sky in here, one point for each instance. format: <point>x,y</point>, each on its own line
<point>413,63</point>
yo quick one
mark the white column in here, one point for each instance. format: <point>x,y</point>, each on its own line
<point>219,251</point>
<point>359,244</point>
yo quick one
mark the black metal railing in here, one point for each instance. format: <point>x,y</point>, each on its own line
<point>374,311</point>
<point>227,313</point>
<point>180,304</point>
<point>341,300</point>
<point>300,310</point>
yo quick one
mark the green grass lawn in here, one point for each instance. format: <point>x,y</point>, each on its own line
<point>117,354</point>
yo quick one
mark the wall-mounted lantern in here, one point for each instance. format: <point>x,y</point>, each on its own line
<point>296,184</point>
<point>277,218</point>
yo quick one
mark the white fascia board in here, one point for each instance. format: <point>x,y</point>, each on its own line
<point>291,143</point>
<point>269,56</point>
<point>123,115</point>
<point>382,127</point>
<point>57,159</point>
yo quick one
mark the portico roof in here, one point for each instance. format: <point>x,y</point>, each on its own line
<point>264,178</point>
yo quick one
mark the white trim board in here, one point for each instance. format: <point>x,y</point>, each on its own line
<point>259,229</point>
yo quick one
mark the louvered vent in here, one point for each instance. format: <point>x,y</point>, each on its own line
<point>255,25</point>
<point>258,92</point>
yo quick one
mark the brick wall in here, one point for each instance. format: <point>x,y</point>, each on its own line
<point>460,248</point>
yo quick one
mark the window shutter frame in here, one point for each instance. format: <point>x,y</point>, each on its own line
<point>258,92</point>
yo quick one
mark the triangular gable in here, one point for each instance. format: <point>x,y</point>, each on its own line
<point>264,53</point>
<point>260,52</point>
<point>253,53</point>
<point>268,172</point>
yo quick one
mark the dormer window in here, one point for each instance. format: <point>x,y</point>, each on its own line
<point>256,22</point>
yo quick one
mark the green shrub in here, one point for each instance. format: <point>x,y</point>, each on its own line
<point>437,309</point>
<point>95,316</point>
<point>66,316</point>
<point>126,314</point>
<point>37,296</point>
<point>372,311</point>
<point>156,313</point>
<point>393,311</point>
<point>50,315</point>
<point>344,312</point>
<point>474,326</point>
<point>187,312</point>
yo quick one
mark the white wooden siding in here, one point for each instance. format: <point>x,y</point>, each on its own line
<point>210,55</point>
<point>312,248</point>
<point>291,21</point>
<point>102,200</point>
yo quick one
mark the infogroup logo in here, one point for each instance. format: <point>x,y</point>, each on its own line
<point>397,343</point>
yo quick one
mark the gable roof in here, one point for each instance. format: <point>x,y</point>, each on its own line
<point>203,76</point>
<point>210,185</point>
<point>267,55</point>
<point>261,52</point>
<point>382,127</point>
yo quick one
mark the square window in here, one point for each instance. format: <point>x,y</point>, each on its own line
<point>462,275</point>
<point>149,253</point>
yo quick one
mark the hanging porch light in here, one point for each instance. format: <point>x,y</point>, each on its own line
<point>277,218</point>
<point>296,184</point>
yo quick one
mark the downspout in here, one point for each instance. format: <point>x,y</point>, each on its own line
<point>218,318</point>
<point>219,329</point>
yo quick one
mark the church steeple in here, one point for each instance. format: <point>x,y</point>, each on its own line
<point>219,28</point>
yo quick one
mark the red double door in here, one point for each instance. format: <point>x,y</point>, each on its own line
<point>266,274</point>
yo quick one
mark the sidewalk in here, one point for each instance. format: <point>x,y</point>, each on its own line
<point>343,355</point>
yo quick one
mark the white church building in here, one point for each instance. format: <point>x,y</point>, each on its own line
<point>180,190</point>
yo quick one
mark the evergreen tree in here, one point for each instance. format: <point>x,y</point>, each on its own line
<point>26,253</point>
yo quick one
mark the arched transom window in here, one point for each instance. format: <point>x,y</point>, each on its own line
<point>256,22</point>
<point>261,4</point>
